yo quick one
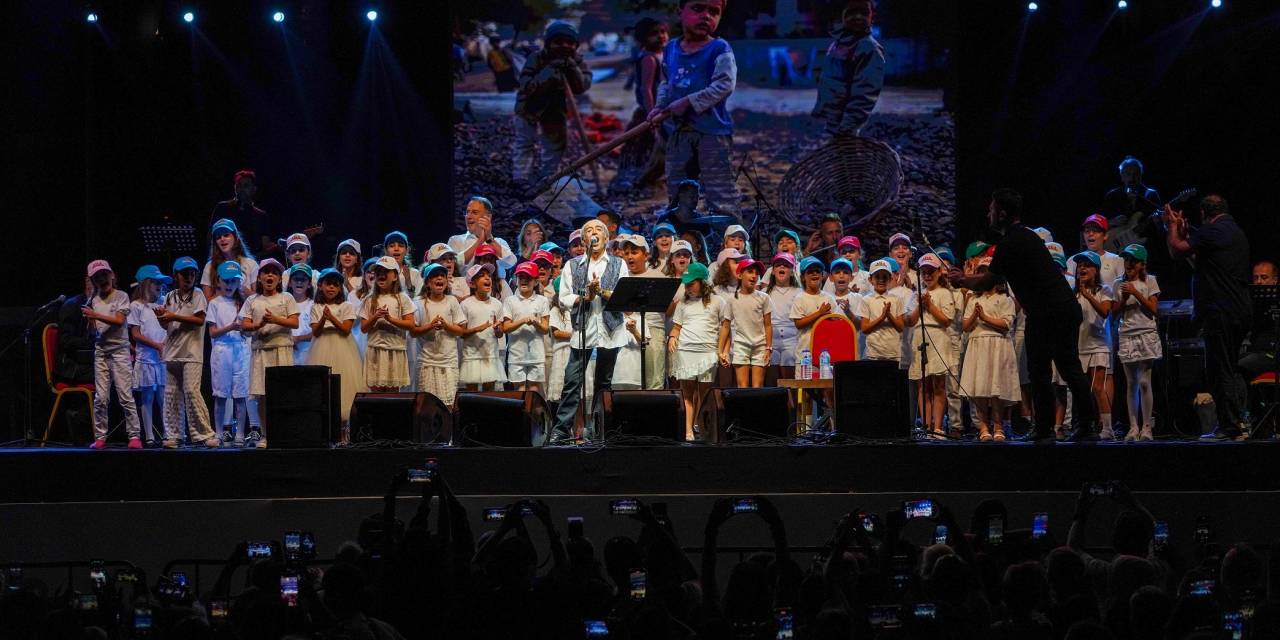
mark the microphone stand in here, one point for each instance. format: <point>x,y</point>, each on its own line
<point>926,396</point>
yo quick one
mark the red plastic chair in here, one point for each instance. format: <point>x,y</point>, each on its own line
<point>49,344</point>
<point>834,333</point>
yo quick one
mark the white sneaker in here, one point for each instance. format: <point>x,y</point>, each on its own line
<point>1145,434</point>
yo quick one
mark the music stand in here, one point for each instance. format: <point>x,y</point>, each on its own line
<point>642,295</point>
<point>168,239</point>
<point>1267,298</point>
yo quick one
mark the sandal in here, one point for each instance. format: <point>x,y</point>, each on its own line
<point>983,434</point>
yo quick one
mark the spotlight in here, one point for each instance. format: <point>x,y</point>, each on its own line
<point>188,17</point>
<point>91,17</point>
<point>1033,7</point>
<point>372,15</point>
<point>278,16</point>
<point>1216,4</point>
<point>1122,5</point>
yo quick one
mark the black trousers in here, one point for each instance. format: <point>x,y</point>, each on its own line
<point>569,397</point>
<point>1223,336</point>
<point>1052,338</point>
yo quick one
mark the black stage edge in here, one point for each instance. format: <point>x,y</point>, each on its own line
<point>62,475</point>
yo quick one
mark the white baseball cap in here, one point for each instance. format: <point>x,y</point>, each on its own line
<point>438,250</point>
<point>350,242</point>
<point>635,240</point>
<point>297,238</point>
<point>729,254</point>
<point>735,228</point>
<point>880,265</point>
<point>681,245</point>
<point>387,262</point>
<point>475,270</point>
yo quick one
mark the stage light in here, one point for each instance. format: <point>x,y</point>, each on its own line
<point>1122,5</point>
<point>91,17</point>
<point>1216,4</point>
<point>1033,7</point>
<point>278,16</point>
<point>372,15</point>
<point>188,17</point>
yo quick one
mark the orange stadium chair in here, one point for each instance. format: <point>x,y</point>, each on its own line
<point>49,344</point>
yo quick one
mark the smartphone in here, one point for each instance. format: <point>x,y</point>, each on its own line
<point>308,545</point>
<point>901,576</point>
<point>13,578</point>
<point>87,602</point>
<point>1233,624</point>
<point>289,589</point>
<point>425,473</point>
<point>1161,534</point>
<point>995,530</point>
<point>940,534</point>
<point>870,523</point>
<point>179,578</point>
<point>258,549</point>
<point>624,506</point>
<point>141,618</point>
<point>1039,525</point>
<point>1204,532</point>
<point>292,545</point>
<point>218,610</point>
<point>745,505</point>
<point>1101,488</point>
<point>918,509</point>
<point>1202,588</point>
<point>925,611</point>
<point>493,514</point>
<point>785,622</point>
<point>97,574</point>
<point>126,576</point>
<point>637,584</point>
<point>596,628</point>
<point>575,528</point>
<point>884,616</point>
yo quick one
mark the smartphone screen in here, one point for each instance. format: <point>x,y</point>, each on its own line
<point>292,544</point>
<point>918,509</point>
<point>13,578</point>
<point>1040,525</point>
<point>940,534</point>
<point>637,584</point>
<point>218,609</point>
<point>494,513</point>
<point>419,475</point>
<point>596,628</point>
<point>786,624</point>
<point>141,618</point>
<point>624,506</point>
<point>258,549</point>
<point>289,589</point>
<point>1100,488</point>
<point>97,574</point>
<point>87,602</point>
<point>179,578</point>
<point>925,611</point>
<point>995,530</point>
<point>1161,533</point>
<point>745,505</point>
<point>901,576</point>
<point>1202,588</point>
<point>307,545</point>
<point>884,616</point>
<point>1233,624</point>
<point>1204,533</point>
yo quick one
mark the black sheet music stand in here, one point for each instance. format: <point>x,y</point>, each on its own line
<point>1266,307</point>
<point>168,239</point>
<point>643,295</point>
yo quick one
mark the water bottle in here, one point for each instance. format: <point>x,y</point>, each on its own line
<point>806,366</point>
<point>824,365</point>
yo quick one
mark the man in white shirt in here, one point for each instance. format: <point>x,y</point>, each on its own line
<point>586,283</point>
<point>480,231</point>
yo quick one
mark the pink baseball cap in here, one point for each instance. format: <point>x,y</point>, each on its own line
<point>98,265</point>
<point>849,241</point>
<point>576,236</point>
<point>543,255</point>
<point>789,259</point>
<point>485,250</point>
<point>1097,221</point>
<point>475,270</point>
<point>526,268</point>
<point>929,260</point>
<point>729,254</point>
<point>748,263</point>
<point>270,262</point>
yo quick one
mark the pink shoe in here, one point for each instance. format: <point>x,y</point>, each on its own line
<point>135,443</point>
<point>99,444</point>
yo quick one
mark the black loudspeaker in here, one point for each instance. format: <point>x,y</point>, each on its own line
<point>641,414</point>
<point>501,419</point>
<point>300,407</point>
<point>400,417</point>
<point>748,414</point>
<point>872,400</point>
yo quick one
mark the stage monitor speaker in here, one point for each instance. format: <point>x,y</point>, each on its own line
<point>641,414</point>
<point>746,414</point>
<point>300,407</point>
<point>872,400</point>
<point>400,417</point>
<point>501,419</point>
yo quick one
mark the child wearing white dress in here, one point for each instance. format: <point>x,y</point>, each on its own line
<point>107,312</point>
<point>481,363</point>
<point>935,317</point>
<point>386,316</point>
<point>229,358</point>
<point>880,316</point>
<point>148,340</point>
<point>1137,299</point>
<point>525,317</point>
<point>182,317</point>
<point>749,321</point>
<point>303,291</point>
<point>331,319</point>
<point>990,373</point>
<point>697,338</point>
<point>782,290</point>
<point>442,322</point>
<point>628,367</point>
<point>1095,303</point>
<point>268,316</point>
<point>356,298</point>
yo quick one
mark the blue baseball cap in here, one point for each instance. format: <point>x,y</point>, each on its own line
<point>368,264</point>
<point>811,262</point>
<point>302,268</point>
<point>662,227</point>
<point>945,253</point>
<point>786,232</point>
<point>225,225</point>
<point>1088,256</point>
<point>396,236</point>
<point>151,272</point>
<point>330,273</point>
<point>550,246</point>
<point>230,269</point>
<point>185,262</point>
<point>840,263</point>
<point>430,268</point>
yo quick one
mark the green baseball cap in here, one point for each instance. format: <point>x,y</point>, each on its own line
<point>1135,251</point>
<point>975,249</point>
<point>695,271</point>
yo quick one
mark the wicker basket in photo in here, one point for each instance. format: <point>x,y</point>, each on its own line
<point>855,177</point>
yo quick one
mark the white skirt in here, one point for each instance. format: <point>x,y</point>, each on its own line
<point>1091,360</point>
<point>1140,347</point>
<point>263,358</point>
<point>342,356</point>
<point>148,374</point>
<point>481,371</point>
<point>386,367</point>
<point>626,369</point>
<point>695,365</point>
<point>942,355</point>
<point>441,382</point>
<point>990,370</point>
<point>749,354</point>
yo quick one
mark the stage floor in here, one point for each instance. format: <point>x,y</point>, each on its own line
<point>50,475</point>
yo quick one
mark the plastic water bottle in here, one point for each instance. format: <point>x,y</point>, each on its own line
<point>806,366</point>
<point>824,365</point>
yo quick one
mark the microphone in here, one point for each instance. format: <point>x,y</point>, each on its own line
<point>52,303</point>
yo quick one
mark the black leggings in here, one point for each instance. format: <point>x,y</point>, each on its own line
<point>1052,338</point>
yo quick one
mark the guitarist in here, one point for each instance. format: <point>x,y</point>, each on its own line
<point>1129,207</point>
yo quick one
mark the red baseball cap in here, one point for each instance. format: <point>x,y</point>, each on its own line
<point>543,255</point>
<point>849,241</point>
<point>527,268</point>
<point>748,263</point>
<point>484,250</point>
<point>1097,221</point>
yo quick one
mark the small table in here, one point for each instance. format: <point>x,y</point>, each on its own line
<point>799,384</point>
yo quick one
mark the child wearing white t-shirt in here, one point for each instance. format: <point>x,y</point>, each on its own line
<point>229,358</point>
<point>749,317</point>
<point>880,316</point>
<point>269,317</point>
<point>442,322</point>
<point>525,317</point>
<point>386,316</point>
<point>1095,303</point>
<point>481,364</point>
<point>1137,300</point>
<point>148,340</point>
<point>697,338</point>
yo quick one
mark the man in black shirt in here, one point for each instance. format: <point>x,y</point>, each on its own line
<point>250,220</point>
<point>1219,253</point>
<point>1129,208</point>
<point>1053,315</point>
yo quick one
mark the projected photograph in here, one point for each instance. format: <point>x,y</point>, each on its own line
<point>797,110</point>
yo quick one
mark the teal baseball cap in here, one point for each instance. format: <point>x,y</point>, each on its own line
<point>1135,251</point>
<point>696,271</point>
<point>229,270</point>
<point>811,262</point>
<point>187,262</point>
<point>1088,256</point>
